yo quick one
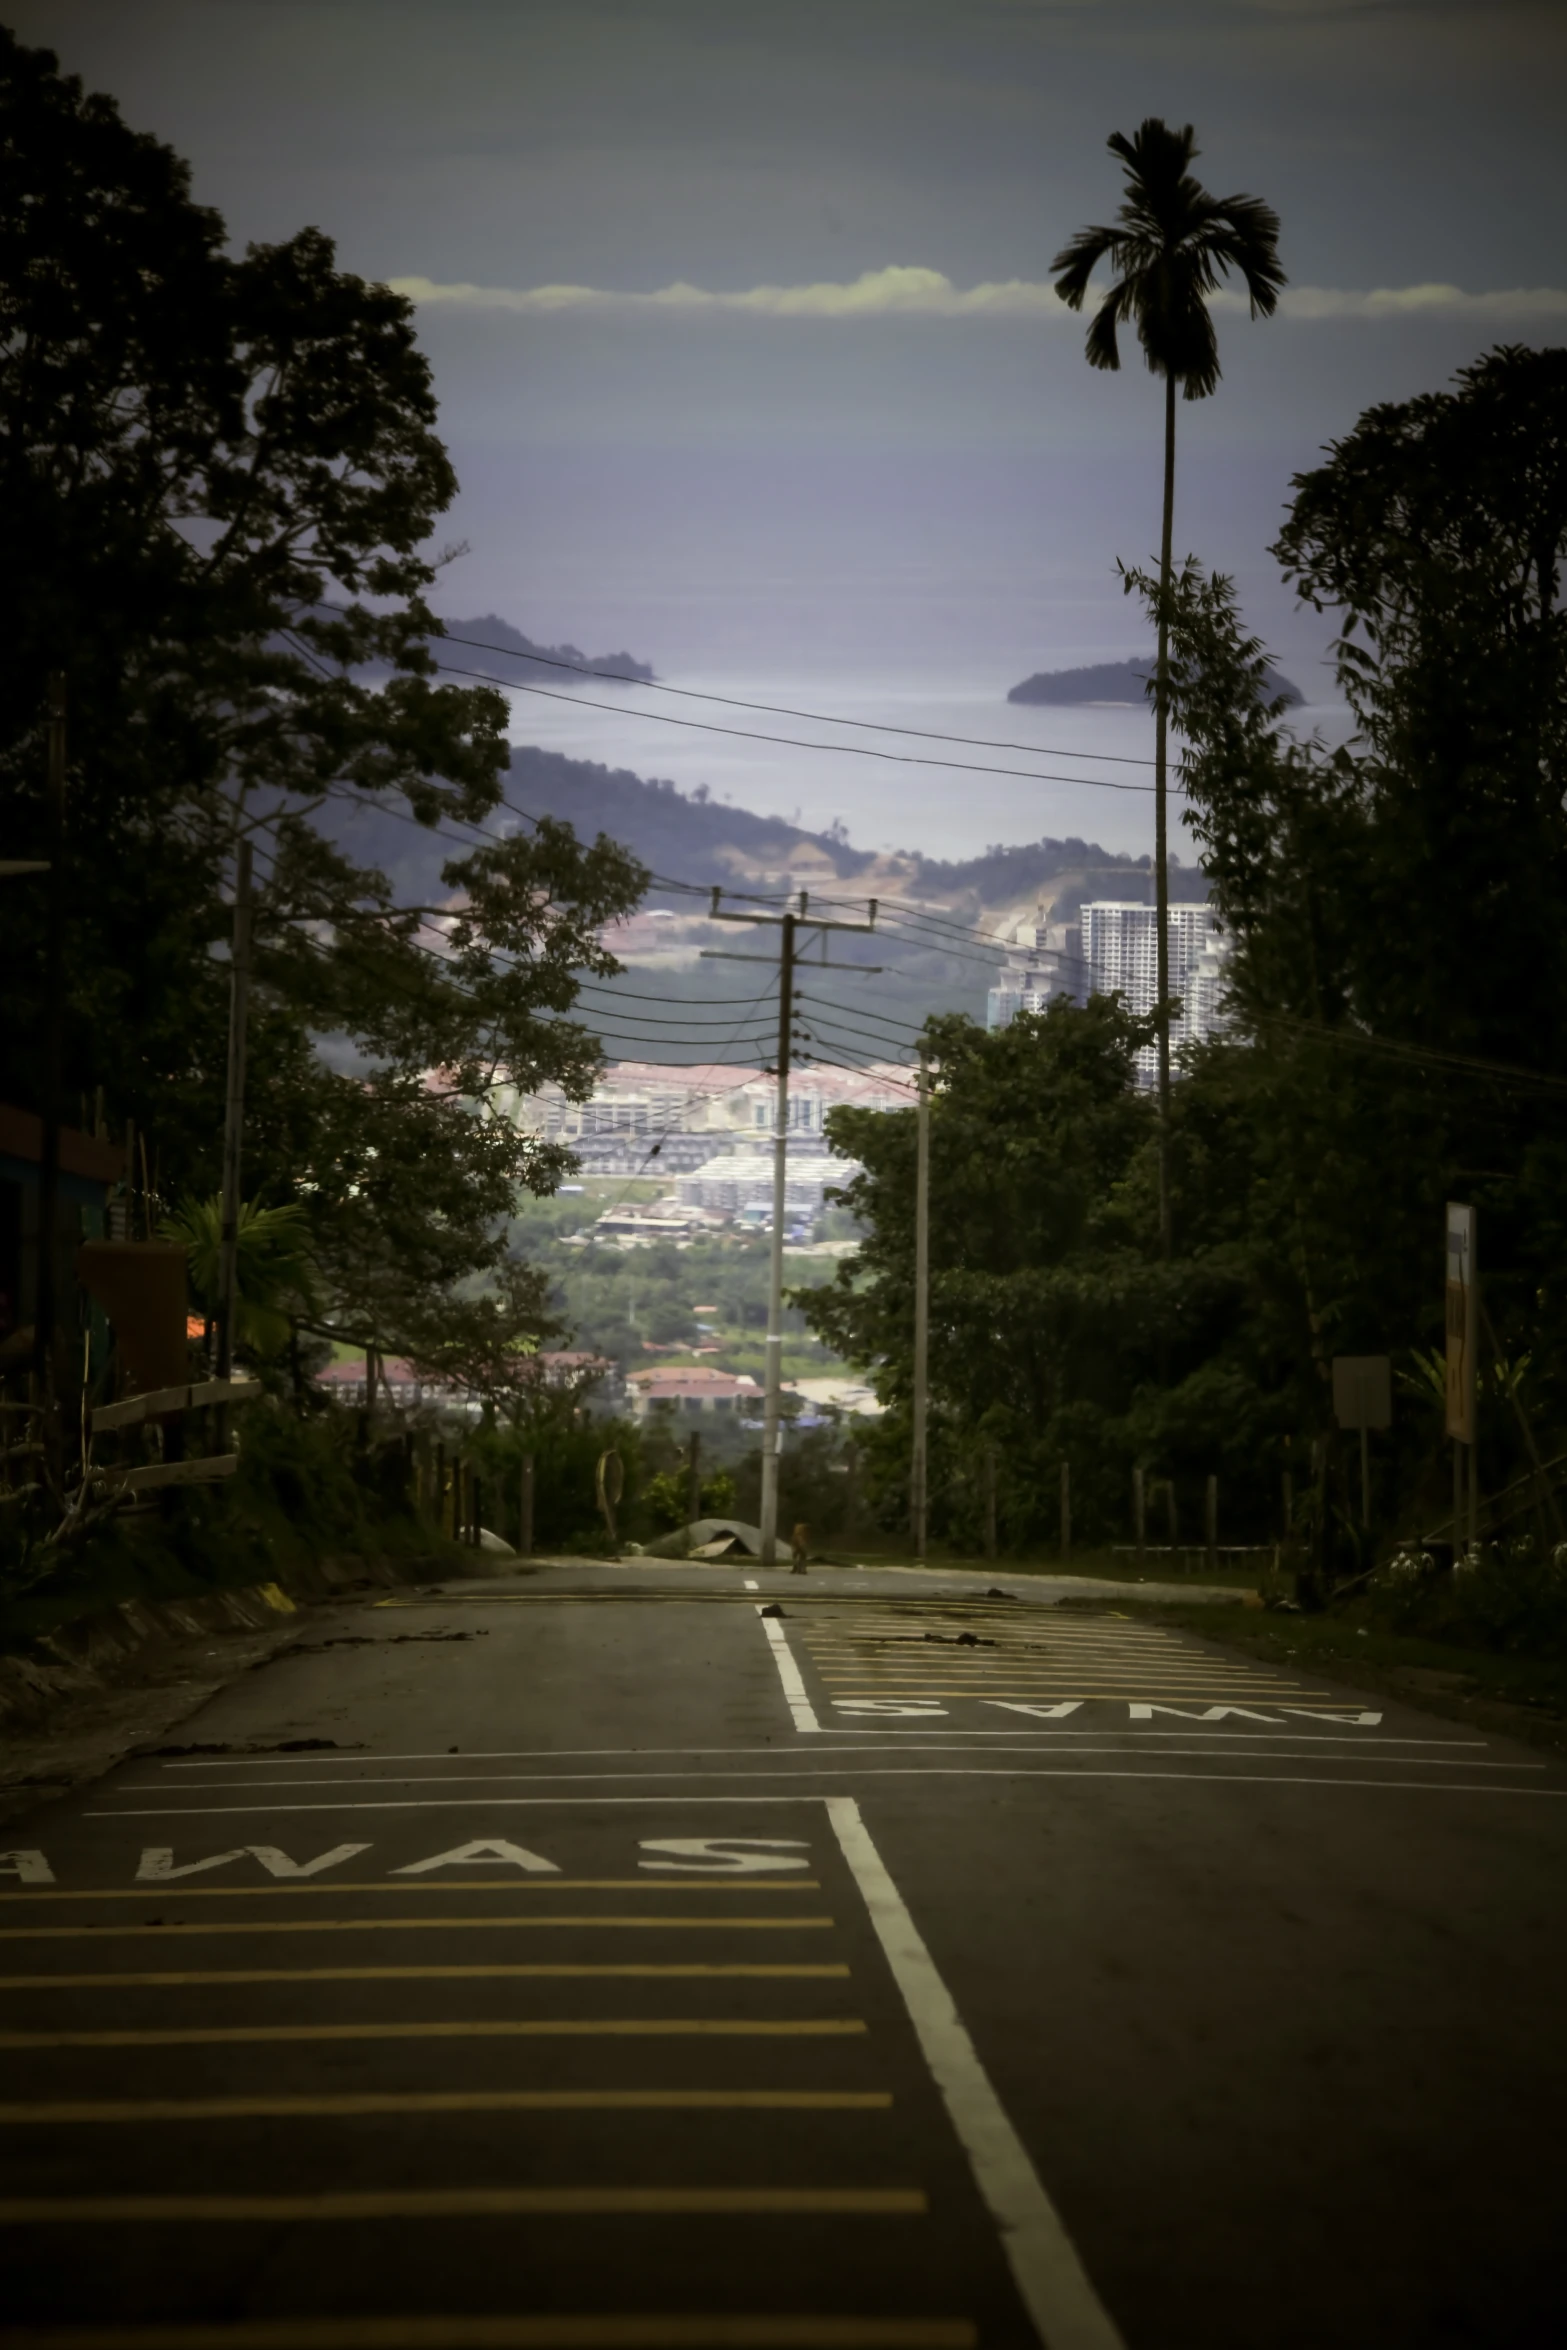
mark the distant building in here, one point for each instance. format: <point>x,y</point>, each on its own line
<point>1043,963</point>
<point>712,1106</point>
<point>742,1181</point>
<point>644,1119</point>
<point>595,1378</point>
<point>690,1387</point>
<point>1120,954</point>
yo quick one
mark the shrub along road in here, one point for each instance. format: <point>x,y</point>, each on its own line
<point>913,1969</point>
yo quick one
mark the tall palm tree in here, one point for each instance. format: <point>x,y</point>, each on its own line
<point>1171,245</point>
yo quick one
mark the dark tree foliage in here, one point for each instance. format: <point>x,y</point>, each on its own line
<point>219,478</point>
<point>1399,907</point>
<point>1437,529</point>
<point>1058,1331</point>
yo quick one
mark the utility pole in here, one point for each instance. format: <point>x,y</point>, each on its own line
<point>45,1309</point>
<point>234,1115</point>
<point>918,1469</point>
<point>788,925</point>
<point>772,1409</point>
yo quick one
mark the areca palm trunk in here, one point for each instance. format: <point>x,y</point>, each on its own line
<point>1161,816</point>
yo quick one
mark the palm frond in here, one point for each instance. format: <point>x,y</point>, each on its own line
<point>1075,264</point>
<point>1172,248</point>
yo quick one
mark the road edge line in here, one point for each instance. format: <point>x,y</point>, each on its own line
<point>795,1694</point>
<point>1055,2287</point>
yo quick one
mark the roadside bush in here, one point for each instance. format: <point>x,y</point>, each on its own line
<point>667,1495</point>
<point>1509,1596</point>
<point>566,1450</point>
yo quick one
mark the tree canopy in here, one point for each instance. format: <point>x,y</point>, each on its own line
<point>1396,911</point>
<point>221,476</point>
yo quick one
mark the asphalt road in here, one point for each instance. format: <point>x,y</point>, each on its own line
<point>586,1959</point>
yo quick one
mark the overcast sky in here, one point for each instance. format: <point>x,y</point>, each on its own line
<point>890,444</point>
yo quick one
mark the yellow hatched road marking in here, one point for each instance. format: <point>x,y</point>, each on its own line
<point>30,2211</point>
<point>555,2331</point>
<point>712,1882</point>
<point>837,2027</point>
<point>215,2109</point>
<point>438,1925</point>
<point>406,1974</point>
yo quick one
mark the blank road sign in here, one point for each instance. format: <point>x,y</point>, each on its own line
<point>1362,1391</point>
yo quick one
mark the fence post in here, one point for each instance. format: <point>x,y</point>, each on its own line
<point>477,1518</point>
<point>1066,1511</point>
<point>1139,1514</point>
<point>1211,1524</point>
<point>525,1506</point>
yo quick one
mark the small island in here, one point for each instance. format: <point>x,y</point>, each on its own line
<point>1117,681</point>
<point>515,655</point>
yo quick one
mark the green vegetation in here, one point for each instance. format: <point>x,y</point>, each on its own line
<point>307,1488</point>
<point>638,1306</point>
<point>1398,911</point>
<point>220,478</point>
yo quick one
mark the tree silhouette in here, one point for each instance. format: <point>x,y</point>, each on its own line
<point>1171,246</point>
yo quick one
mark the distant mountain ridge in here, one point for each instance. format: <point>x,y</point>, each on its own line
<point>1117,681</point>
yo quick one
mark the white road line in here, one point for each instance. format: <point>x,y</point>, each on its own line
<point>304,1762</point>
<point>913,1771</point>
<point>1243,1742</point>
<point>1053,2282</point>
<point>798,1702</point>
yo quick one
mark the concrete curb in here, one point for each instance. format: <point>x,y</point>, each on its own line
<point>92,1653</point>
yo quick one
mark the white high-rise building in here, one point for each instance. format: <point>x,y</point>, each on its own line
<point>1120,951</point>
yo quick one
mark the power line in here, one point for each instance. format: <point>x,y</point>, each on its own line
<point>792,742</point>
<point>889,1028</point>
<point>688,693</point>
<point>844,1027</point>
<point>856,1069</point>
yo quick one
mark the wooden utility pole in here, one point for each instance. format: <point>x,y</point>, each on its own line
<point>234,1118</point>
<point>45,1302</point>
<point>918,1466</point>
<point>788,926</point>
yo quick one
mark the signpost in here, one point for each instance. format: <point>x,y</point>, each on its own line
<point>1463,1348</point>
<point>1363,1399</point>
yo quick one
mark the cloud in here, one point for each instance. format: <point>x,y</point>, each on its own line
<point>878,293</point>
<point>908,292</point>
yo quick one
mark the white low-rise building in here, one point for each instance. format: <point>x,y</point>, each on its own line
<point>743,1180</point>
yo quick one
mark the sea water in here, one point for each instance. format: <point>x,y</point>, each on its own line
<point>1023,772</point>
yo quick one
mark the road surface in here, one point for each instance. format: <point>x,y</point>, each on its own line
<point>590,1959</point>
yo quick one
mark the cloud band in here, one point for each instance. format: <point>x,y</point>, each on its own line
<point>907,292</point>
